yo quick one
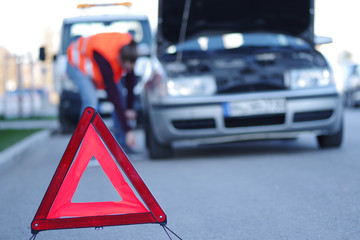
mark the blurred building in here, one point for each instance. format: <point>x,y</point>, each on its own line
<point>26,86</point>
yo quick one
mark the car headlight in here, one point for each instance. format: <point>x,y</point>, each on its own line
<point>191,86</point>
<point>309,78</point>
<point>355,82</point>
<point>68,84</point>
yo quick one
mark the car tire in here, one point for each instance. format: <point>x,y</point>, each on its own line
<point>331,141</point>
<point>69,111</point>
<point>349,102</point>
<point>66,125</point>
<point>156,150</point>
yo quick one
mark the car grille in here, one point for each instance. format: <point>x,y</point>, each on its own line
<point>249,83</point>
<point>312,116</point>
<point>194,124</point>
<point>252,121</point>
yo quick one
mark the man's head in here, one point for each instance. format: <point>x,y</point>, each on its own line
<point>128,55</point>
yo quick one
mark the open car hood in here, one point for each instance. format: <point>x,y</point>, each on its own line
<point>293,17</point>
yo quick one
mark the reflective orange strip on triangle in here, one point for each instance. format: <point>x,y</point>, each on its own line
<point>92,138</point>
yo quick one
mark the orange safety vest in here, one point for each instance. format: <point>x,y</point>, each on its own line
<point>80,54</point>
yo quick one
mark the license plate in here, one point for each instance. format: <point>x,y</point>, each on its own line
<point>254,107</point>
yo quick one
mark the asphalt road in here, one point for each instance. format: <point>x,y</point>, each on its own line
<point>259,190</point>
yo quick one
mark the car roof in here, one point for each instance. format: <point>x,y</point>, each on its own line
<point>91,18</point>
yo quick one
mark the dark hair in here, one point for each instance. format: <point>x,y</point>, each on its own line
<point>129,52</point>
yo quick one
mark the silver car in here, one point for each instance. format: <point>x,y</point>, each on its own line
<point>230,71</point>
<point>352,86</point>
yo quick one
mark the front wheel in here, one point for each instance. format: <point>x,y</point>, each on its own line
<point>156,149</point>
<point>331,141</point>
<point>66,124</point>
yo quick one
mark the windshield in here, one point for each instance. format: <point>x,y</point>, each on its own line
<point>139,29</point>
<point>238,40</point>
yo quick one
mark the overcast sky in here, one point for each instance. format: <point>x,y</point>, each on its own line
<point>23,23</point>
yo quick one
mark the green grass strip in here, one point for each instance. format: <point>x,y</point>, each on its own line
<point>9,137</point>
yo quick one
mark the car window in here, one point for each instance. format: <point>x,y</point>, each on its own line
<point>138,29</point>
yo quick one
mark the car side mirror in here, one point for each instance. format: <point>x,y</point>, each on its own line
<point>319,40</point>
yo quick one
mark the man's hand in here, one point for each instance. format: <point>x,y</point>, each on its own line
<point>130,114</point>
<point>130,139</point>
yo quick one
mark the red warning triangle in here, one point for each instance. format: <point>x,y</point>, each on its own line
<point>93,139</point>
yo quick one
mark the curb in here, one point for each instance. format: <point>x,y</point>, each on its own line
<point>10,154</point>
<point>29,124</point>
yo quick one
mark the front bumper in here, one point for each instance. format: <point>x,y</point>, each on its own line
<point>203,120</point>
